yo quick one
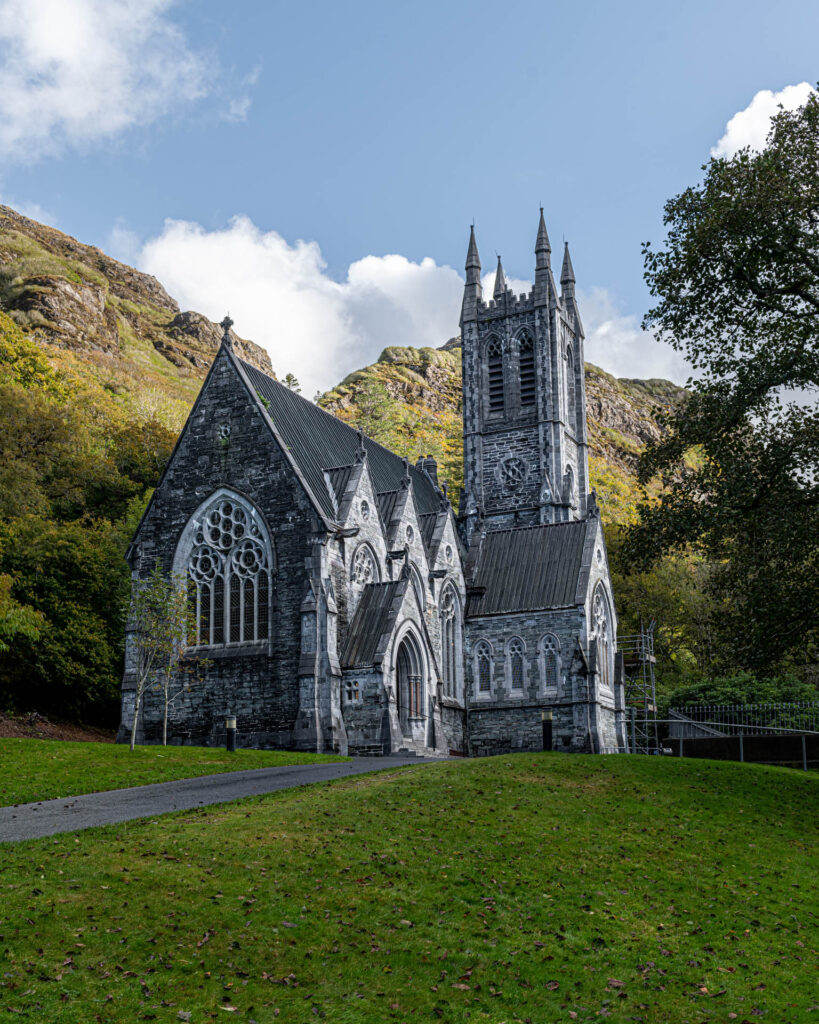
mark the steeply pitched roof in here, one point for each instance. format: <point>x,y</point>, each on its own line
<point>374,619</point>
<point>427,522</point>
<point>339,478</point>
<point>528,568</point>
<point>318,440</point>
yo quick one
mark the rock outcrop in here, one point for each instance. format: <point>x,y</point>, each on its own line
<point>72,295</point>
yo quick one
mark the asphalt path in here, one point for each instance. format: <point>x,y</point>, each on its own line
<point>69,814</point>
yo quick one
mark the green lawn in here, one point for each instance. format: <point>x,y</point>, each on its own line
<point>43,769</point>
<point>541,888</point>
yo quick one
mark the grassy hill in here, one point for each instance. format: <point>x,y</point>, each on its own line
<point>542,888</point>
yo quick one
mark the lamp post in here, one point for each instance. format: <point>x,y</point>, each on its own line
<point>230,733</point>
<point>546,722</point>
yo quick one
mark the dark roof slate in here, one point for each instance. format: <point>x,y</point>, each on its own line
<point>374,616</point>
<point>339,478</point>
<point>529,568</point>
<point>317,439</point>
<point>428,522</point>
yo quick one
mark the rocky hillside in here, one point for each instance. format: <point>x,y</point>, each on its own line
<point>90,312</point>
<point>410,399</point>
<point>72,297</point>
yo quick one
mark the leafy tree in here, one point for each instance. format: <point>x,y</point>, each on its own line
<point>291,381</point>
<point>737,285</point>
<point>16,619</point>
<point>743,688</point>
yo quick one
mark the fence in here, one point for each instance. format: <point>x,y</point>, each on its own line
<point>701,720</point>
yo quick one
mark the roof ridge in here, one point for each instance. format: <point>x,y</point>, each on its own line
<point>330,415</point>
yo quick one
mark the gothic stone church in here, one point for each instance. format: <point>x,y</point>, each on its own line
<point>342,606</point>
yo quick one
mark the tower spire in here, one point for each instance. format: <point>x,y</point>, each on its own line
<point>543,246</point>
<point>567,273</point>
<point>472,289</point>
<point>544,282</point>
<point>500,282</point>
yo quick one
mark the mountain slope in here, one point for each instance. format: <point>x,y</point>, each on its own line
<point>72,298</point>
<point>410,399</point>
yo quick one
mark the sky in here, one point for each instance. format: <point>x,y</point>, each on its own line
<point>313,168</point>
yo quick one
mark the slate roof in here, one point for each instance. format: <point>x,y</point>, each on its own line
<point>317,440</point>
<point>528,568</point>
<point>339,478</point>
<point>427,522</point>
<point>374,616</point>
<point>386,507</point>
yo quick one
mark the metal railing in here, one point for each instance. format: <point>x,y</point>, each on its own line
<point>746,719</point>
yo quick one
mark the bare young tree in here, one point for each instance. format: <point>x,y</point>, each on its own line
<point>161,618</point>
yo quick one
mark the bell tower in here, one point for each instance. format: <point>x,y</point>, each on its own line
<point>524,398</point>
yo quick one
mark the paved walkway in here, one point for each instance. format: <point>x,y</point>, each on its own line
<point>69,814</point>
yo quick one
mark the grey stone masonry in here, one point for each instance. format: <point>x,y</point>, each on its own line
<point>540,632</point>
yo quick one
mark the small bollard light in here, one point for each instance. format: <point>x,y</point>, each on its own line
<point>546,722</point>
<point>230,733</point>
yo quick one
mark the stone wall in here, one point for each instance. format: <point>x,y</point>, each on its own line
<point>226,443</point>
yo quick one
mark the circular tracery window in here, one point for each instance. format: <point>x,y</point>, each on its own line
<point>363,571</point>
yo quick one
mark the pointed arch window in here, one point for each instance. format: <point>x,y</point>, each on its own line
<point>516,664</point>
<point>527,370</point>
<point>603,635</point>
<point>418,587</point>
<point>550,661</point>
<point>571,389</point>
<point>228,570</point>
<point>483,668</point>
<point>494,374</point>
<point>450,642</point>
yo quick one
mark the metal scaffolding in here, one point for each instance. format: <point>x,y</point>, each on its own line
<point>641,693</point>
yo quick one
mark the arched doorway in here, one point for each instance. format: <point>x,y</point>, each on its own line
<point>410,679</point>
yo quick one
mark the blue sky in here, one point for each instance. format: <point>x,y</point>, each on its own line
<point>373,129</point>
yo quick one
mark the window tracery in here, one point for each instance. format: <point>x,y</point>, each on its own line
<point>550,661</point>
<point>602,630</point>
<point>228,570</point>
<point>363,569</point>
<point>450,642</point>
<point>514,654</point>
<point>483,667</point>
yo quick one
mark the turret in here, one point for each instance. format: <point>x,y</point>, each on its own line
<point>567,276</point>
<point>500,283</point>
<point>472,288</point>
<point>544,283</point>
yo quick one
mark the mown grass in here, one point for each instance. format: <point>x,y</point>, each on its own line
<point>541,888</point>
<point>43,769</point>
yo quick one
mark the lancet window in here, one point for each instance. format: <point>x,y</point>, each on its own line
<point>515,661</point>
<point>550,663</point>
<point>483,667</point>
<point>527,370</point>
<point>571,390</point>
<point>450,642</point>
<point>494,372</point>
<point>228,571</point>
<point>603,633</point>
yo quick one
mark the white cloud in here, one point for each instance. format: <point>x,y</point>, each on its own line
<point>281,297</point>
<point>73,72</point>
<point>750,127</point>
<point>616,343</point>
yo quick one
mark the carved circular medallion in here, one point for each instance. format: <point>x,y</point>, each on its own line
<point>513,473</point>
